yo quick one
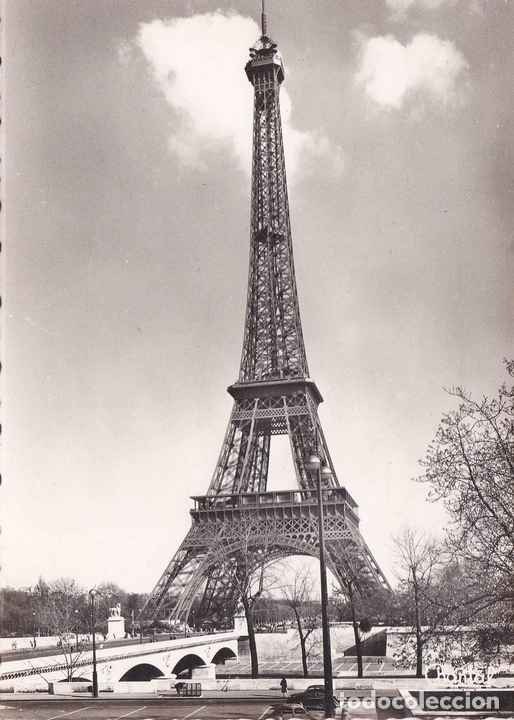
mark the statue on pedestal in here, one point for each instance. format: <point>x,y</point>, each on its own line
<point>115,624</point>
<point>115,611</point>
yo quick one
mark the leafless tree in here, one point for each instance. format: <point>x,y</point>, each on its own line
<point>297,595</point>
<point>59,612</point>
<point>470,467</point>
<point>360,593</point>
<point>419,558</point>
<point>239,554</point>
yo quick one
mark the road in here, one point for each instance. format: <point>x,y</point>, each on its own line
<point>162,708</point>
<point>43,650</point>
<point>135,709</point>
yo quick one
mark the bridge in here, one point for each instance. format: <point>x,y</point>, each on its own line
<point>192,657</point>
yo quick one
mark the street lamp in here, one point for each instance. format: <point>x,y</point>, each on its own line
<point>314,465</point>
<point>93,628</point>
<point>140,627</point>
<point>77,628</point>
<point>34,627</point>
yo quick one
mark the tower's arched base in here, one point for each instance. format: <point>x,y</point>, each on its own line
<point>261,528</point>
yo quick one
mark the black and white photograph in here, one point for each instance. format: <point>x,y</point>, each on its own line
<point>257,359</point>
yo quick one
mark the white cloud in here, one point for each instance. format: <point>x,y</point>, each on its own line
<point>426,67</point>
<point>198,62</point>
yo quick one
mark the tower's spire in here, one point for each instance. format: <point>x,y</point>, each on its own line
<point>263,20</point>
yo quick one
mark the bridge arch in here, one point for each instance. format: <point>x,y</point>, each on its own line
<point>141,673</point>
<point>186,664</point>
<point>223,654</point>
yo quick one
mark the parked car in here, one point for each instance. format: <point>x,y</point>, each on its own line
<point>288,710</point>
<point>313,698</point>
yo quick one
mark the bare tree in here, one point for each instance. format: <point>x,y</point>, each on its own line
<point>239,555</point>
<point>358,590</point>
<point>470,467</point>
<point>353,593</point>
<point>419,558</point>
<point>61,608</point>
<point>473,599</point>
<point>297,596</point>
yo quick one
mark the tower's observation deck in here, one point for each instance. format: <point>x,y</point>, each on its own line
<point>337,502</point>
<point>263,54</point>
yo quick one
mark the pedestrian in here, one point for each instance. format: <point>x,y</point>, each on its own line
<point>283,686</point>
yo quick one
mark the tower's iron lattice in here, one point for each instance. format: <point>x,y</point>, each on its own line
<point>273,396</point>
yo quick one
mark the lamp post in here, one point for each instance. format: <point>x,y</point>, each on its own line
<point>314,465</point>
<point>93,628</point>
<point>34,628</point>
<point>77,628</point>
<point>261,579</point>
<point>140,627</point>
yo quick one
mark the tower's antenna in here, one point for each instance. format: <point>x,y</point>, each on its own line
<point>263,20</point>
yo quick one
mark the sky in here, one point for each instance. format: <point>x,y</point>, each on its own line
<point>128,146</point>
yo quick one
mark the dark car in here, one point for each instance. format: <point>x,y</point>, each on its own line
<point>313,698</point>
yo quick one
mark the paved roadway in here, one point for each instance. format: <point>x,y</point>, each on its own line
<point>44,650</point>
<point>233,706</point>
<point>136,709</point>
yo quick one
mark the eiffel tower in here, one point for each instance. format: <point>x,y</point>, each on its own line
<point>273,395</point>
